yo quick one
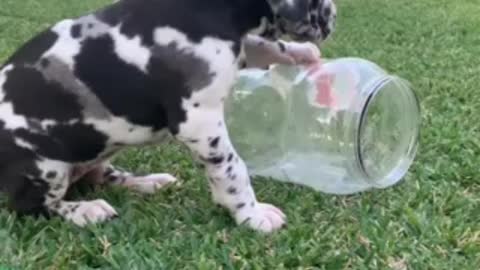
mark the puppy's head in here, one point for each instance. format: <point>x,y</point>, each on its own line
<point>304,20</point>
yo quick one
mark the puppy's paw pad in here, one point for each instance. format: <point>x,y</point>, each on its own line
<point>151,183</point>
<point>92,212</point>
<point>263,217</point>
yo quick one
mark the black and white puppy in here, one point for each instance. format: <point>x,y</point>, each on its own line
<point>126,75</point>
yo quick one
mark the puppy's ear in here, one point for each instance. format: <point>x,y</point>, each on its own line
<point>291,10</point>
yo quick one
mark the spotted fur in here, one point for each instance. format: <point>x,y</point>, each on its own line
<point>127,75</point>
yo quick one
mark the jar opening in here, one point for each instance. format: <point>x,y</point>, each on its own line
<point>387,131</point>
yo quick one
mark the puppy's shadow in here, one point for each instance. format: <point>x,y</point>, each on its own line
<point>80,190</point>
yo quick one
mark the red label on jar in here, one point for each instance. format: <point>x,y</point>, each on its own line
<point>323,83</point>
<point>332,88</point>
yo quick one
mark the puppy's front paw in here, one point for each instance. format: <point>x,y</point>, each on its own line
<point>303,53</point>
<point>262,217</point>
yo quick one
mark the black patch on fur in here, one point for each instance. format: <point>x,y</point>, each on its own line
<point>124,89</point>
<point>76,31</point>
<point>116,178</point>
<point>230,157</point>
<point>295,13</point>
<point>176,75</point>
<point>237,47</point>
<point>214,142</point>
<point>170,58</point>
<point>108,171</point>
<point>232,190</point>
<point>282,47</point>
<point>19,176</point>
<point>240,205</point>
<point>327,12</point>
<point>111,15</point>
<point>32,50</point>
<point>313,19</point>
<point>56,205</point>
<point>35,97</point>
<point>152,99</point>
<point>229,169</point>
<point>216,160</point>
<point>242,64</point>
<point>70,143</point>
<point>44,62</point>
<point>246,220</point>
<point>51,174</point>
<point>74,208</point>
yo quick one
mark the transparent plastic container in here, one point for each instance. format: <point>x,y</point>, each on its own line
<point>340,127</point>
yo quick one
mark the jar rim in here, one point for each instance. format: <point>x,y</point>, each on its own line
<point>404,161</point>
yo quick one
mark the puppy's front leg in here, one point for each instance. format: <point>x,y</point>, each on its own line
<point>260,52</point>
<point>205,134</point>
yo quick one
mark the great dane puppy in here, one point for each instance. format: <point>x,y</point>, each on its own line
<point>126,75</point>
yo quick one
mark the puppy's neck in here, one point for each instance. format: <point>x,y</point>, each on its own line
<point>251,16</point>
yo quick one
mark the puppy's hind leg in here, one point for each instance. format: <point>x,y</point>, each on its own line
<point>57,175</point>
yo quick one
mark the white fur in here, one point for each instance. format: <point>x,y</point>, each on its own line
<point>3,79</point>
<point>149,184</point>
<point>23,144</point>
<point>66,47</point>
<point>264,217</point>
<point>59,184</point>
<point>14,120</point>
<point>130,50</point>
<point>61,168</point>
<point>91,212</point>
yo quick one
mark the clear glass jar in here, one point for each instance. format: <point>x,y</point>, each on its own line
<point>340,127</point>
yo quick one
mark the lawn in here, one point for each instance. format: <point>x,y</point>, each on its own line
<point>429,221</point>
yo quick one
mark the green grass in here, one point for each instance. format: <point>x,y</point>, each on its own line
<point>430,221</point>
